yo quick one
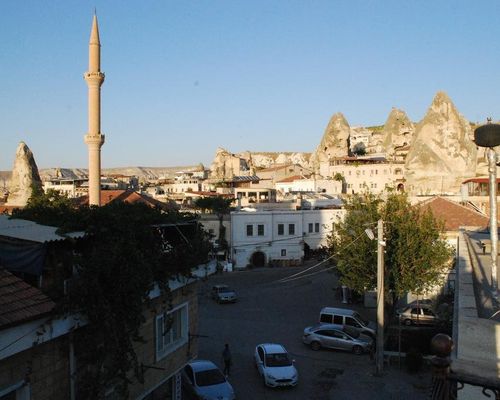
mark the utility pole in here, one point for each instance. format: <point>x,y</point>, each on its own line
<point>492,169</point>
<point>380,297</point>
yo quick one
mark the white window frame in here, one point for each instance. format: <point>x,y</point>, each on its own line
<point>165,343</point>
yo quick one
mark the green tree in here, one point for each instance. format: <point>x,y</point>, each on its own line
<point>127,250</point>
<point>220,206</point>
<point>416,255</point>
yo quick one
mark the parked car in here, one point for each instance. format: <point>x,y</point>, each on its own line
<point>344,316</point>
<point>334,336</point>
<point>418,315</point>
<point>201,379</point>
<point>224,294</point>
<point>275,365</point>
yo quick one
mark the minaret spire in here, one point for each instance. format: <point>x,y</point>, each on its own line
<point>94,139</point>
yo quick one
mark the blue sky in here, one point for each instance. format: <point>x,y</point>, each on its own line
<point>185,77</point>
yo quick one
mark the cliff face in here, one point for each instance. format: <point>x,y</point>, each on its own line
<point>398,132</point>
<point>335,141</point>
<point>442,154</point>
<point>226,164</point>
<point>24,177</point>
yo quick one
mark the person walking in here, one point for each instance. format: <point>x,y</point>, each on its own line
<point>226,357</point>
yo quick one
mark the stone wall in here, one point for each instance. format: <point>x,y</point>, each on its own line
<point>146,352</point>
<point>45,367</point>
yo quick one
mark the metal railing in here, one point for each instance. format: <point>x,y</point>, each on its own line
<point>446,383</point>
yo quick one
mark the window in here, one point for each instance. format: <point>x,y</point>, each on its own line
<point>260,230</point>
<point>310,227</point>
<point>171,330</point>
<point>351,322</point>
<point>316,227</point>
<point>291,229</point>
<point>327,318</point>
<point>281,229</point>
<point>249,230</point>
<point>338,319</point>
<point>283,252</point>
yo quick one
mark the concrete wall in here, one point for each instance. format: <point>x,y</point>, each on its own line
<point>477,340</point>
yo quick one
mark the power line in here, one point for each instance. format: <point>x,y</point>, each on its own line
<point>300,275</point>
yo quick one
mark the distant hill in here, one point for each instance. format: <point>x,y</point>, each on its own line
<point>142,173</point>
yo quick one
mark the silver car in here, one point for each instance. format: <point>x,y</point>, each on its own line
<point>418,315</point>
<point>224,294</point>
<point>201,379</point>
<point>336,337</point>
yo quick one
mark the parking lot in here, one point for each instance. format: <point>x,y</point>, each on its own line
<point>272,311</point>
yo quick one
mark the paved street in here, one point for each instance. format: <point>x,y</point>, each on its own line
<point>270,311</point>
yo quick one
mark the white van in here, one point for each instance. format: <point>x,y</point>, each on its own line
<point>343,316</point>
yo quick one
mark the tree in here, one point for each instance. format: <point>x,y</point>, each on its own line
<point>220,206</point>
<point>127,250</point>
<point>416,255</point>
<point>359,149</point>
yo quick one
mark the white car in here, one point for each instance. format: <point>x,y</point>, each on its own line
<point>201,379</point>
<point>275,365</point>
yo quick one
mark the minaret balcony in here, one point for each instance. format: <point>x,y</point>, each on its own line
<point>94,76</point>
<point>95,140</point>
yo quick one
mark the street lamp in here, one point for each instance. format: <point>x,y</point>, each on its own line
<point>379,357</point>
<point>489,136</point>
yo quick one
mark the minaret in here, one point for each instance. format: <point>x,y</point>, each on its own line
<point>94,139</point>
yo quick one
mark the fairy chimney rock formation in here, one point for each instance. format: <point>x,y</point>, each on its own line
<point>335,140</point>
<point>397,133</point>
<point>442,154</point>
<point>24,177</point>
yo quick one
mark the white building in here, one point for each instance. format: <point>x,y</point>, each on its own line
<point>362,173</point>
<point>278,237</point>
<point>298,183</point>
<point>70,187</point>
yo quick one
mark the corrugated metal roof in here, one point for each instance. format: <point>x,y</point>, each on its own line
<point>31,231</point>
<point>253,178</point>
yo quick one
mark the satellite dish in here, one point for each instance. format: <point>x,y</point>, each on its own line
<point>487,135</point>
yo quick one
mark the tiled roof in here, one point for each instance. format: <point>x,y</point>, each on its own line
<point>127,196</point>
<point>480,180</point>
<point>7,209</point>
<point>20,302</point>
<point>453,214</point>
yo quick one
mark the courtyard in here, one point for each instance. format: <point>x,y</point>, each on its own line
<point>270,309</point>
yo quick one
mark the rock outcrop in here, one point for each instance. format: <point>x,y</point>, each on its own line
<point>397,133</point>
<point>227,165</point>
<point>442,154</point>
<point>24,177</point>
<point>335,141</point>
